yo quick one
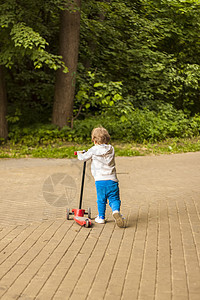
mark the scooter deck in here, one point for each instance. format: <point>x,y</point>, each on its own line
<point>83,221</point>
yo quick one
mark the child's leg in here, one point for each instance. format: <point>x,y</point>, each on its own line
<point>115,203</point>
<point>113,196</point>
<point>101,199</point>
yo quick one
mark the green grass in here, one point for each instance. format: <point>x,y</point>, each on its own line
<point>66,149</point>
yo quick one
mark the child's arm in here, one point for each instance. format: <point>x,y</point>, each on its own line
<point>84,155</point>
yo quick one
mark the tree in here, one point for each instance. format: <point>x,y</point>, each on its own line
<point>21,40</point>
<point>3,106</point>
<point>151,46</point>
<point>69,47</point>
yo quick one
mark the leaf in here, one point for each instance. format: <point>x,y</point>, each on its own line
<point>98,84</point>
<point>123,118</point>
<point>117,97</point>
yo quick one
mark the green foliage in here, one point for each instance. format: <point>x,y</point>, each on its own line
<point>14,119</point>
<point>166,127</point>
<point>103,97</point>
<point>145,125</point>
<point>66,150</point>
<point>20,40</point>
<point>151,46</point>
<point>134,56</point>
<point>24,36</point>
<point>36,135</point>
<point>36,89</point>
<point>140,126</point>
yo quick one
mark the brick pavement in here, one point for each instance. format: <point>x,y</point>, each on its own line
<point>44,256</point>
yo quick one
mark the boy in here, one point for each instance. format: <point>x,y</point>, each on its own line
<point>104,172</point>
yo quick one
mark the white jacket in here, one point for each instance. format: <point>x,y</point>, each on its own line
<point>103,161</point>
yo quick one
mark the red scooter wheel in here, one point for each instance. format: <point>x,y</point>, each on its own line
<point>87,224</point>
<point>68,213</point>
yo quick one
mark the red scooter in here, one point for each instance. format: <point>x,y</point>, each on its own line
<point>79,212</point>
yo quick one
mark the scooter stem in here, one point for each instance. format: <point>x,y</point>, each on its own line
<point>82,185</point>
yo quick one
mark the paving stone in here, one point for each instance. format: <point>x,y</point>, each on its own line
<point>45,256</point>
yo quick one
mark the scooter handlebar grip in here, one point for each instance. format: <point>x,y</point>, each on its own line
<point>76,152</point>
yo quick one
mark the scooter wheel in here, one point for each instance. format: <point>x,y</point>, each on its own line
<point>68,213</point>
<point>89,213</point>
<point>87,224</point>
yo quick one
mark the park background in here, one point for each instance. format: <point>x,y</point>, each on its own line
<point>67,66</point>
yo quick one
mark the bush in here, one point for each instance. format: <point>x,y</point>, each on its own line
<point>139,125</point>
<point>144,125</point>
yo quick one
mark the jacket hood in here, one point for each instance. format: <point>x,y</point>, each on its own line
<point>103,149</point>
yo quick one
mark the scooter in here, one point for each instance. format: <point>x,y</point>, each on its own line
<point>79,212</point>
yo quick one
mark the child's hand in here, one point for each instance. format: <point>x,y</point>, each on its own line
<point>79,152</point>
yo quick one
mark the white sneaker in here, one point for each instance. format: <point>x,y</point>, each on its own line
<point>118,219</point>
<point>99,220</point>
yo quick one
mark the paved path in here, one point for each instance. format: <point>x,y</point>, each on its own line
<point>44,256</point>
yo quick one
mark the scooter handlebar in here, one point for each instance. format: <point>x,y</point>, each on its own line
<point>76,152</point>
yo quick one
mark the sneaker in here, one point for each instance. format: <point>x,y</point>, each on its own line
<point>99,220</point>
<point>118,219</point>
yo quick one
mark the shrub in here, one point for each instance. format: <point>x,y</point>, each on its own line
<point>139,125</point>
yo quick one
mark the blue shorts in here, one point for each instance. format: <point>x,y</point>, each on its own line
<point>107,190</point>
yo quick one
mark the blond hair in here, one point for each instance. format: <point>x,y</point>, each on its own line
<point>100,136</point>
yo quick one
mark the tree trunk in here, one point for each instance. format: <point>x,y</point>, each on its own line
<point>65,83</point>
<point>3,106</point>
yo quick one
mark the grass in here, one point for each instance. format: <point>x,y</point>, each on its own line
<point>66,149</point>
